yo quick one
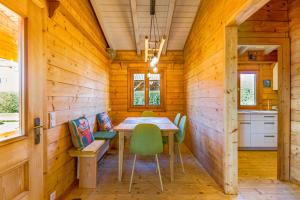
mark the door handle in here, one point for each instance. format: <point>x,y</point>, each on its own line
<point>37,130</point>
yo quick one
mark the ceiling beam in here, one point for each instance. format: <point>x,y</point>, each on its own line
<point>169,23</point>
<point>135,26</point>
<point>270,49</point>
<point>243,49</point>
<point>101,22</point>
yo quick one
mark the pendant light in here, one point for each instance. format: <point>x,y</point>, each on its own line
<point>154,43</point>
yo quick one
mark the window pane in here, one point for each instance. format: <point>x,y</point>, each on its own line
<point>139,89</point>
<point>154,89</point>
<point>10,75</point>
<point>248,89</point>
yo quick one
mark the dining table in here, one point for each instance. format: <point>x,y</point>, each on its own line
<point>126,127</point>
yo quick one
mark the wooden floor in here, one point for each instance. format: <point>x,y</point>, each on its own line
<point>195,184</point>
<point>258,164</point>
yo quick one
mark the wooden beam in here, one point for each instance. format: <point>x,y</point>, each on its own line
<point>52,6</point>
<point>135,26</point>
<point>270,49</point>
<point>243,49</point>
<point>40,3</point>
<point>101,22</point>
<point>169,23</point>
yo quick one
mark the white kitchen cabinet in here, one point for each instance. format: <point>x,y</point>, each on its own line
<point>258,129</point>
<point>244,134</point>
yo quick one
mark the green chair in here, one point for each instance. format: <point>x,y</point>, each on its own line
<point>146,140</point>
<point>177,118</point>
<point>148,113</point>
<point>179,137</point>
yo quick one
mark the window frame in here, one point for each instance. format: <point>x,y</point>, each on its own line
<point>257,96</point>
<point>130,84</point>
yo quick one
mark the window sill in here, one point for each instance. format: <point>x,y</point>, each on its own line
<point>137,109</point>
<point>12,140</point>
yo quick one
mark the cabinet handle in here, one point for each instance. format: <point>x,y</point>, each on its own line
<point>269,123</point>
<point>269,136</point>
<point>245,122</point>
<point>269,116</point>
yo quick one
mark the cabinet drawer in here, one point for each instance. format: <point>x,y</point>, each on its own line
<point>263,117</point>
<point>243,116</point>
<point>262,127</point>
<point>263,140</point>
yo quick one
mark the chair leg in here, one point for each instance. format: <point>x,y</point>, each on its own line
<point>158,169</point>
<point>180,158</point>
<point>132,172</point>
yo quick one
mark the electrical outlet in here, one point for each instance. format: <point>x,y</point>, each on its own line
<point>52,119</point>
<point>53,195</point>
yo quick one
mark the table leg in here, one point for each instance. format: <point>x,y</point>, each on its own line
<point>121,154</point>
<point>171,152</point>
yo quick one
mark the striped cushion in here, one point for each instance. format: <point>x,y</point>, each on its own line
<point>104,122</point>
<point>80,132</point>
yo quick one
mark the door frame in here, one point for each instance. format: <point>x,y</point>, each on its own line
<point>23,150</point>
<point>284,103</point>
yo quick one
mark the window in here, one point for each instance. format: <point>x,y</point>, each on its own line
<point>247,89</point>
<point>146,90</point>
<point>11,87</point>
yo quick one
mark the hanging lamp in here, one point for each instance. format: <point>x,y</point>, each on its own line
<point>154,43</point>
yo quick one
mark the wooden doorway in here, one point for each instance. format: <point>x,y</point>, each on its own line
<point>21,157</point>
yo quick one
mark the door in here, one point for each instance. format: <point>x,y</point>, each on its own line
<point>244,134</point>
<point>22,65</point>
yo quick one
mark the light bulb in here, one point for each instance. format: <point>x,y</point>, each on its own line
<point>155,69</point>
<point>148,75</point>
<point>154,61</point>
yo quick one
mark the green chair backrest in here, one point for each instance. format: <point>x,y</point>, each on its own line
<point>181,132</point>
<point>148,113</point>
<point>146,140</point>
<point>176,120</point>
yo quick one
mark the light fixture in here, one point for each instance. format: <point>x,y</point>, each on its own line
<point>155,69</point>
<point>154,43</point>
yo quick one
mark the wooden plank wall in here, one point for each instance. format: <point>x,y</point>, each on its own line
<point>77,84</point>
<point>172,63</point>
<point>204,79</point>
<point>270,21</point>
<point>294,16</point>
<point>8,38</point>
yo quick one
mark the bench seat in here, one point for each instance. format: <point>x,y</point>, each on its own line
<point>87,160</point>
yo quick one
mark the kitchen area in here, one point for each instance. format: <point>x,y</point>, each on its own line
<point>258,110</point>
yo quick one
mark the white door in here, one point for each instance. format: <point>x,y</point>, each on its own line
<point>244,133</point>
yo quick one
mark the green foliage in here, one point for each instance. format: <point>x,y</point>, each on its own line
<point>154,98</point>
<point>9,102</point>
<point>139,98</point>
<point>246,97</point>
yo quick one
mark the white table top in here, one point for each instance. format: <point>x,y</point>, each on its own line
<point>162,122</point>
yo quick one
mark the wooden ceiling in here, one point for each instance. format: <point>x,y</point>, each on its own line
<point>125,23</point>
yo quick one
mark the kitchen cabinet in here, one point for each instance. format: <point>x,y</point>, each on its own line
<point>258,129</point>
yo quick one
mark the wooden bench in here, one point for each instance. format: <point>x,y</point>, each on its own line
<point>88,159</point>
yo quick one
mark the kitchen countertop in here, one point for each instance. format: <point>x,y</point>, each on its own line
<point>257,111</point>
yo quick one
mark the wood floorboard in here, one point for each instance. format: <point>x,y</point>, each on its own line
<point>195,184</point>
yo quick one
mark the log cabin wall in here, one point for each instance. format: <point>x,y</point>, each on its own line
<point>172,63</point>
<point>77,84</point>
<point>209,136</point>
<point>294,17</point>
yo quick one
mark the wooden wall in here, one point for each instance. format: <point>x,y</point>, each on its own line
<point>212,131</point>
<point>77,84</point>
<point>172,63</point>
<point>294,16</point>
<point>264,66</point>
<point>8,37</point>
<point>270,21</point>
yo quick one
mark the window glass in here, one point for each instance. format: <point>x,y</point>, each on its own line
<point>10,74</point>
<point>154,89</point>
<point>139,89</point>
<point>248,89</point>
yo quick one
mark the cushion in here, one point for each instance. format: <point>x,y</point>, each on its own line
<point>80,132</point>
<point>104,122</point>
<point>105,135</point>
